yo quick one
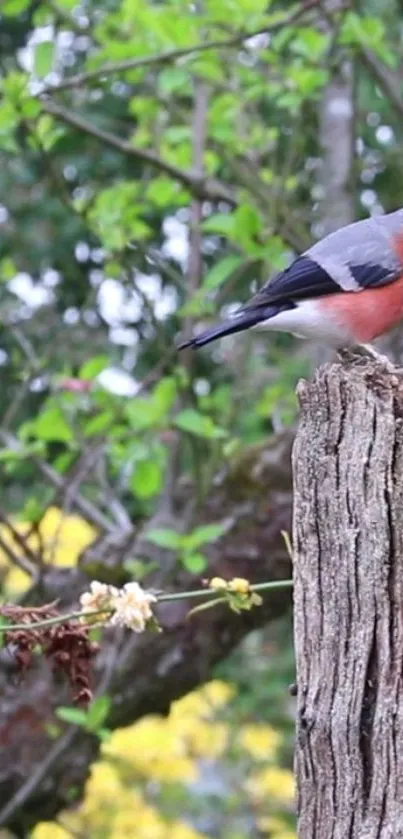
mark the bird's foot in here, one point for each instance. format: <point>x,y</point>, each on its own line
<point>363,352</point>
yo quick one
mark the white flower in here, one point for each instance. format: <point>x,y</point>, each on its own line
<point>132,607</point>
<point>98,597</point>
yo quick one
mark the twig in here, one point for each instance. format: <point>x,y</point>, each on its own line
<point>32,783</point>
<point>82,504</point>
<point>65,18</point>
<point>388,81</point>
<point>173,54</point>
<point>208,188</point>
<point>195,264</point>
<point>21,562</point>
<point>33,559</point>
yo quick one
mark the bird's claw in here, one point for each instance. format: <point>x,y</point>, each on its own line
<point>363,352</point>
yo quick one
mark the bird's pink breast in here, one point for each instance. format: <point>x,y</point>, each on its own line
<point>366,314</point>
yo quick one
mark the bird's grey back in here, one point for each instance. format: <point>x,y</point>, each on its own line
<point>369,241</point>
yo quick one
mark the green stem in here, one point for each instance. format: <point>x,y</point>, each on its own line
<point>188,595</point>
<point>161,598</point>
<point>51,621</point>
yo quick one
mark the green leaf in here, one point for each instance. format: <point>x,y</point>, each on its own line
<point>310,43</point>
<point>151,411</point>
<point>8,269</point>
<point>164,191</point>
<point>173,79</point>
<point>203,535</point>
<point>139,568</point>
<point>195,563</point>
<point>221,271</point>
<point>75,716</point>
<point>98,424</point>
<point>52,730</point>
<point>142,414</point>
<point>197,306</point>
<point>22,452</point>
<point>164,394</point>
<point>199,424</point>
<point>177,134</point>
<point>93,367</point>
<point>63,461</point>
<point>103,734</point>
<point>221,223</point>
<point>51,426</point>
<point>247,220</point>
<point>146,480</point>
<point>359,29</point>
<point>33,510</point>
<point>116,215</point>
<point>30,107</point>
<point>9,119</point>
<point>14,7</point>
<point>43,58</point>
<point>4,622</point>
<point>165,537</point>
<point>97,712</point>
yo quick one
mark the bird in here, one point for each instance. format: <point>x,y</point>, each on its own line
<point>344,291</point>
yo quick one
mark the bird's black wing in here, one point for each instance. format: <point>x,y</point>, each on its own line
<point>369,275</point>
<point>304,278</point>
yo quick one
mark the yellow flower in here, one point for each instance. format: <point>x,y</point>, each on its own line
<point>61,538</point>
<point>260,741</point>
<point>65,536</point>
<point>272,782</point>
<point>205,739</point>
<point>275,827</point>
<point>50,830</point>
<point>218,584</point>
<point>205,700</point>
<point>180,830</point>
<point>153,749</point>
<point>141,821</point>
<point>17,581</point>
<point>104,782</point>
<point>239,585</point>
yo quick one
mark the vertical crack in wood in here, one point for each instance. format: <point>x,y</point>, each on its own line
<point>366,721</point>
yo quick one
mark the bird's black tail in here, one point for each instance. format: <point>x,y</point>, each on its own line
<point>238,323</point>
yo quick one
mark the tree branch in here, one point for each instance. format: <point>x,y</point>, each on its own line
<point>83,505</point>
<point>207,188</point>
<point>173,54</point>
<point>388,81</point>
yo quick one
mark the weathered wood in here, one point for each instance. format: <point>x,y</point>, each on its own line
<point>348,538</point>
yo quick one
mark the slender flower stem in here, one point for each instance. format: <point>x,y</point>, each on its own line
<point>187,595</point>
<point>8,627</point>
<point>161,598</point>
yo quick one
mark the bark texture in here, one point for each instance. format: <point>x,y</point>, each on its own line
<point>348,537</point>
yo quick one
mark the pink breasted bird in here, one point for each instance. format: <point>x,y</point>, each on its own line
<point>346,289</point>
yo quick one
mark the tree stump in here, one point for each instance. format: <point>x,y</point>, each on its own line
<point>348,539</point>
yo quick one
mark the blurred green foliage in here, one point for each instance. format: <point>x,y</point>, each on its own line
<point>139,202</point>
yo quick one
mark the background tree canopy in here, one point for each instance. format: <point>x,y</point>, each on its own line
<point>158,161</point>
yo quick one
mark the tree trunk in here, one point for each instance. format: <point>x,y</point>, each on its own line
<point>348,537</point>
